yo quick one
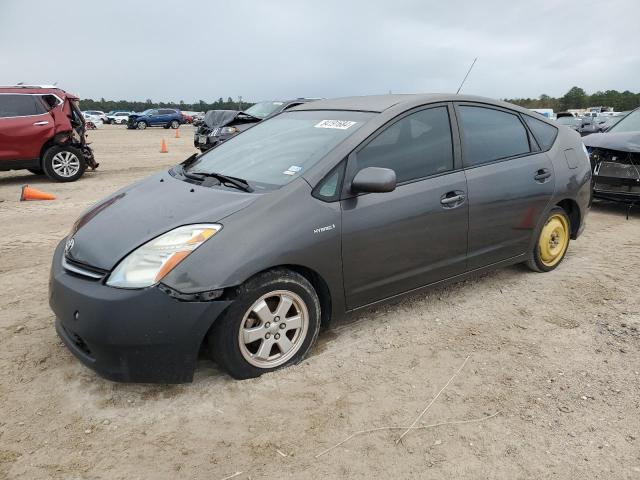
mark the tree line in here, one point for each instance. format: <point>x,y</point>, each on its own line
<point>576,97</point>
<point>137,106</point>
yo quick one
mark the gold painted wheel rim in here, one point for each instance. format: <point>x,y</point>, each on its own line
<point>554,240</point>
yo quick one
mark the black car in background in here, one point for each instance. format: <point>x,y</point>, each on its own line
<point>615,160</point>
<point>220,125</point>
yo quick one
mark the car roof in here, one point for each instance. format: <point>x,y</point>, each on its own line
<point>36,89</point>
<point>380,103</point>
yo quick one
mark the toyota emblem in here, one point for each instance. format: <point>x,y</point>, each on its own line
<point>69,245</point>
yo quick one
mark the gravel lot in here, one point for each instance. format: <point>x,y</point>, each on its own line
<point>557,355</point>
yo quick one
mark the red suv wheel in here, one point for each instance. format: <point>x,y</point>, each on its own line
<point>63,163</point>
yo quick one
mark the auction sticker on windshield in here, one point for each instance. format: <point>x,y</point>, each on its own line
<point>339,124</point>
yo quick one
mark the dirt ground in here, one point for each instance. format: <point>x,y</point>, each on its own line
<point>556,356</point>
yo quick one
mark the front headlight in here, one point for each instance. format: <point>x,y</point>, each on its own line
<point>228,130</point>
<point>151,262</point>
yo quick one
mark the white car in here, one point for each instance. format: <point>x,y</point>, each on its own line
<point>118,118</point>
<point>97,113</point>
<point>95,119</point>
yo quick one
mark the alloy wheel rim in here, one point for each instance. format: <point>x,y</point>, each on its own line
<point>273,329</point>
<point>65,164</point>
<point>554,240</point>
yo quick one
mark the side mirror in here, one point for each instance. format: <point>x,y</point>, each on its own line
<point>374,180</point>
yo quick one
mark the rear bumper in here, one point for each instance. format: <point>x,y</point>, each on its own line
<point>140,335</point>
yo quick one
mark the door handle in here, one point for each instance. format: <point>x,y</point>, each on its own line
<point>41,123</point>
<point>542,174</point>
<point>452,199</point>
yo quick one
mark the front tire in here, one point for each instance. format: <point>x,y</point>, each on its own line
<point>63,163</point>
<point>141,125</point>
<point>272,323</point>
<point>175,124</point>
<point>552,242</point>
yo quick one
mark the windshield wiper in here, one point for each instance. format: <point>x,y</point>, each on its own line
<point>223,179</point>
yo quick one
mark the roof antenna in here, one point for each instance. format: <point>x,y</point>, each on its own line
<point>465,77</point>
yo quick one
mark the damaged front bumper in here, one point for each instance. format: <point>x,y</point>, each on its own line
<point>128,335</point>
<point>616,175</point>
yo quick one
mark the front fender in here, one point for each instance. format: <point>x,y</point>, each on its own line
<point>286,227</point>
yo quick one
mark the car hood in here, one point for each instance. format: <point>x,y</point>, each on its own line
<point>111,229</point>
<point>220,118</point>
<point>623,141</point>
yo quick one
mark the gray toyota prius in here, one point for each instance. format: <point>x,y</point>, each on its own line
<point>319,211</point>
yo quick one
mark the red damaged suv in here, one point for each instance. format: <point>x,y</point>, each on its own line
<point>42,130</point>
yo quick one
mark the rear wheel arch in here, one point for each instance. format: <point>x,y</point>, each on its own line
<point>52,142</point>
<point>573,212</point>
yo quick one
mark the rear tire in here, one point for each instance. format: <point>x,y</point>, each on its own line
<point>552,242</point>
<point>175,124</point>
<point>63,163</point>
<point>272,323</point>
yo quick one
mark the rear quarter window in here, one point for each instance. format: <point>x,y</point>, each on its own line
<point>544,133</point>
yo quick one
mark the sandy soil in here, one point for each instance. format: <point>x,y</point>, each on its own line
<point>557,355</point>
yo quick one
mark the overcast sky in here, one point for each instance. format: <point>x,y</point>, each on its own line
<point>197,49</point>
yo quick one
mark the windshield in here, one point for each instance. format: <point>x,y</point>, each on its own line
<point>279,150</point>
<point>568,121</point>
<point>264,109</point>
<point>630,123</point>
<point>147,112</point>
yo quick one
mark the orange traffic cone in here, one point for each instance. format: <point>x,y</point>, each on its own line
<point>29,193</point>
<point>163,147</point>
<point>177,133</point>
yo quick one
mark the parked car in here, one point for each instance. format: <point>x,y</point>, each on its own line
<point>163,117</point>
<point>92,121</point>
<point>97,114</point>
<point>220,125</point>
<point>569,121</point>
<point>198,118</point>
<point>615,160</point>
<point>42,130</point>
<point>187,118</point>
<point>592,124</point>
<point>118,117</point>
<point>316,212</point>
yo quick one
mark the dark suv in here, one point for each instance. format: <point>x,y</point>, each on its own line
<point>163,117</point>
<point>42,130</point>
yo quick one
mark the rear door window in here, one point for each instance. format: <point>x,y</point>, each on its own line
<point>416,146</point>
<point>489,135</point>
<point>19,105</point>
